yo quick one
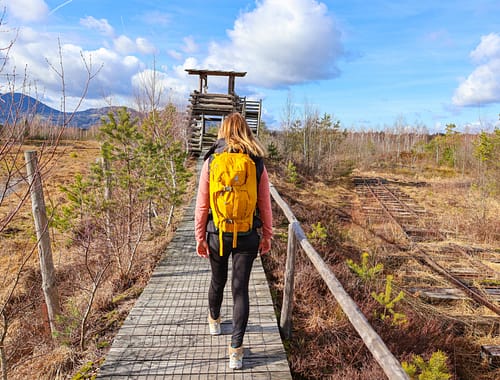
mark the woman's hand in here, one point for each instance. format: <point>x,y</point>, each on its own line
<point>202,249</point>
<point>264,246</point>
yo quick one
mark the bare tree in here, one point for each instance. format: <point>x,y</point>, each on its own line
<point>149,95</point>
<point>12,198</point>
<point>59,70</point>
<point>15,186</point>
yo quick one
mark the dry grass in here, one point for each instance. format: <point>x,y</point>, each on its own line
<point>59,166</point>
<point>462,210</point>
<point>324,345</point>
<point>18,244</point>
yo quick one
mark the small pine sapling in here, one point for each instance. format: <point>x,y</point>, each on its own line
<point>273,152</point>
<point>365,271</point>
<point>384,298</point>
<point>435,369</point>
<point>291,171</point>
<point>318,233</point>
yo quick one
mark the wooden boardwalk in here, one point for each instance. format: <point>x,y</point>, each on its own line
<point>166,334</point>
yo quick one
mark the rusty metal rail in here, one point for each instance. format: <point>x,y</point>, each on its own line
<point>385,202</point>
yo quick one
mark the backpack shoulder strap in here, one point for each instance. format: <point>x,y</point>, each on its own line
<point>259,166</point>
<point>216,147</point>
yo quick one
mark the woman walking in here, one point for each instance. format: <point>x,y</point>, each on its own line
<point>236,137</point>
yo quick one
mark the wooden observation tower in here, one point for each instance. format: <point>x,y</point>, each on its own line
<point>207,110</point>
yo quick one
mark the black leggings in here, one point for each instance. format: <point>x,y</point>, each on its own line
<point>243,257</point>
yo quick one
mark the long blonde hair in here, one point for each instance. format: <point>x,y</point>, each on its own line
<point>239,137</point>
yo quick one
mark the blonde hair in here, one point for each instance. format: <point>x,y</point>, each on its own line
<point>239,137</point>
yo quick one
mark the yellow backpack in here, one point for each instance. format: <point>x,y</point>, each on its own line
<point>233,194</point>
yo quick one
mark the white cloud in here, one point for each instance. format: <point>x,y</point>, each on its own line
<point>489,48</point>
<point>190,63</point>
<point>281,45</point>
<point>305,46</point>
<point>175,54</point>
<point>156,18</point>
<point>115,73</point>
<point>482,86</point>
<point>190,45</point>
<point>101,25</point>
<point>28,10</point>
<point>125,45</point>
<point>144,46</point>
<point>35,51</point>
<point>163,81</point>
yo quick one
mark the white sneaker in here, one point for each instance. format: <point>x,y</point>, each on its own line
<point>214,325</point>
<point>236,357</point>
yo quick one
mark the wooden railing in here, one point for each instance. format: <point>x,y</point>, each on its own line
<point>390,365</point>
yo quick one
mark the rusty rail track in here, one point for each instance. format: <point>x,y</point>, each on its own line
<point>380,202</point>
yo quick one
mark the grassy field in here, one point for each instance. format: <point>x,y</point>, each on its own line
<point>58,167</point>
<point>324,344</point>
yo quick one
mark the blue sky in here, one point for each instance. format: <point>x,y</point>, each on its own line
<point>370,64</point>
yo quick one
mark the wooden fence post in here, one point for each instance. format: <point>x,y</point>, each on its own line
<point>43,238</point>
<point>287,307</point>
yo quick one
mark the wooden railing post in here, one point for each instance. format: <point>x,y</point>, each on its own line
<point>287,307</point>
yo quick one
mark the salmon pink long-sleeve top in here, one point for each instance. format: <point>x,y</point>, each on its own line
<point>203,204</point>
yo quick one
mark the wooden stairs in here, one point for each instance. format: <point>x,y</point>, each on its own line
<point>206,111</point>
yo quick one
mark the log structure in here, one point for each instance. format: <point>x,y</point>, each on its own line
<point>207,110</point>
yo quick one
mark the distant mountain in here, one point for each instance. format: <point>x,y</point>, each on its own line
<point>15,106</point>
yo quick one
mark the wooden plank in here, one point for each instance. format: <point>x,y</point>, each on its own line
<point>216,72</point>
<point>439,293</point>
<point>213,95</point>
<point>452,293</point>
<point>491,353</point>
<point>200,100</point>
<point>213,109</point>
